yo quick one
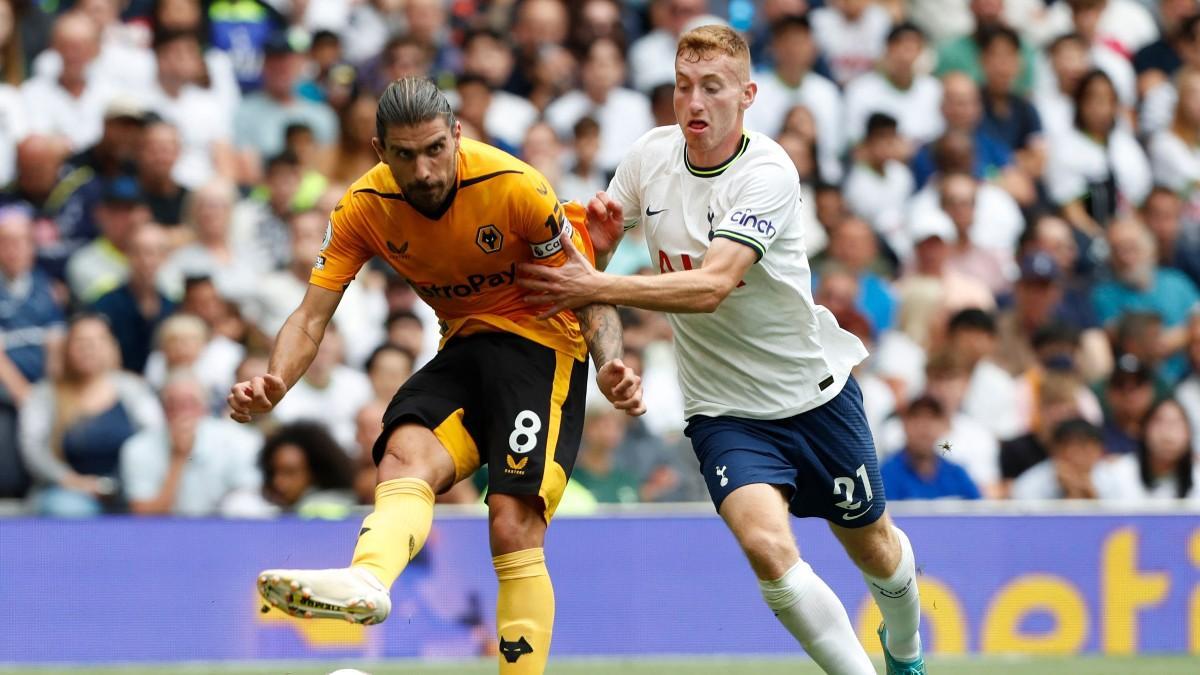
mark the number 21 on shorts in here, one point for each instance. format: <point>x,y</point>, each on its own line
<point>844,487</point>
<point>525,430</point>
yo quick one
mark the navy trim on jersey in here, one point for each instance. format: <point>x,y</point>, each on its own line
<point>742,239</point>
<point>714,171</point>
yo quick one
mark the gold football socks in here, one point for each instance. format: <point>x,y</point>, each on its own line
<point>395,532</point>
<point>524,611</point>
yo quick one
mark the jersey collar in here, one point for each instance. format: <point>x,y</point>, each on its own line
<point>714,171</point>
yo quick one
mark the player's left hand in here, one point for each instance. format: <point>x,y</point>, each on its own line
<point>622,387</point>
<point>573,284</point>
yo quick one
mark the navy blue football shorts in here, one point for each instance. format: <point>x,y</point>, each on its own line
<point>824,459</point>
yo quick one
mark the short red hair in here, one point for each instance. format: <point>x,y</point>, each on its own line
<point>710,41</point>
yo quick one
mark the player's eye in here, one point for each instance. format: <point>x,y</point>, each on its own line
<point>436,149</point>
<point>710,89</point>
<point>405,154</point>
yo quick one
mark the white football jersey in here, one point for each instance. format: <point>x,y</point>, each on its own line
<point>768,351</point>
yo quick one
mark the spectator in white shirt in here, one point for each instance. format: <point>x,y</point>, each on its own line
<point>851,34</point>
<point>203,117</point>
<point>652,56</point>
<point>1163,467</point>
<point>993,266</point>
<point>896,88</point>
<point>584,179</point>
<point>880,183</point>
<point>193,464</point>
<point>1096,169</point>
<point>185,342</point>
<point>933,235</point>
<point>1175,151</point>
<point>1059,78</point>
<point>1071,472</point>
<point>991,397</point>
<point>791,82</point>
<point>207,214</point>
<point>623,114</point>
<point>70,104</point>
<point>1106,53</point>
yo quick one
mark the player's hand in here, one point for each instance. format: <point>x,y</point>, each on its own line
<point>622,387</point>
<point>605,223</point>
<point>258,395</point>
<point>573,284</point>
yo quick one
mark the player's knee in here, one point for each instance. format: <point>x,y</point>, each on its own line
<point>412,451</point>
<point>771,553</point>
<point>877,551</point>
<point>515,523</point>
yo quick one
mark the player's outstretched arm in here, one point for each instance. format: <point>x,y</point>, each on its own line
<point>601,326</point>
<point>294,350</point>
<point>577,283</point>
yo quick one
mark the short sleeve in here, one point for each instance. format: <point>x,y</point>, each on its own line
<point>142,469</point>
<point>624,188</point>
<point>344,250</point>
<point>542,221</point>
<point>763,207</point>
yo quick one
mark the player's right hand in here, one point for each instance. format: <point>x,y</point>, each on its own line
<point>255,396</point>
<point>622,387</point>
<point>605,223</point>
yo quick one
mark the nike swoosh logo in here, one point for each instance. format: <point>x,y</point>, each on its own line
<point>653,213</point>
<point>847,516</point>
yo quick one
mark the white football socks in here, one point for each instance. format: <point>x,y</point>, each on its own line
<point>900,603</point>
<point>808,608</point>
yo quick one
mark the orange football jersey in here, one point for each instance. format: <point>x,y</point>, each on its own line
<point>503,212</point>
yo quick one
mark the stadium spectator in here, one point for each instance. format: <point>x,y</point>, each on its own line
<point>1096,170</point>
<point>921,469</point>
<point>195,463</point>
<point>406,329</point>
<point>186,343</point>
<point>1163,466</point>
<point>360,311</point>
<point>61,220</point>
<point>791,82</point>
<point>203,118</point>
<point>115,154</point>
<point>652,56</point>
<point>1158,61</point>
<point>947,379</point>
<point>623,114</point>
<point>260,222</point>
<point>991,396</point>
<point>934,236</point>
<point>123,63</point>
<point>217,73</point>
<point>71,102</point>
<point>1162,212</point>
<point>1139,283</point>
<point>474,100</point>
<point>992,266</point>
<point>962,110</point>
<point>1128,396</point>
<point>899,90</point>
<point>968,53</point>
<point>31,324</point>
<point>543,150</point>
<point>1104,52</point>
<point>1007,116</point>
<point>158,153</point>
<point>1076,453</point>
<point>1057,402</point>
<point>352,155</point>
<point>851,35</point>
<point>853,245</point>
<point>305,472</point>
<point>262,117</point>
<point>328,78</point>
<point>102,265</point>
<point>597,466</point>
<point>554,74</point>
<point>136,308</point>
<point>330,391</point>
<point>206,214</point>
<point>593,20</point>
<point>585,178</point>
<point>1054,96</point>
<point>72,426</point>
<point>14,122</point>
<point>880,183</point>
<point>388,368</point>
<point>1188,390</point>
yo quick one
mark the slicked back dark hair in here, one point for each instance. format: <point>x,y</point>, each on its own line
<point>409,101</point>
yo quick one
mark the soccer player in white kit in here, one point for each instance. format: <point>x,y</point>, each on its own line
<point>774,415</point>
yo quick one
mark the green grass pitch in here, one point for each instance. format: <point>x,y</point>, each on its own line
<point>653,666</point>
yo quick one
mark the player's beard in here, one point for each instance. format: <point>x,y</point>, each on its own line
<point>426,196</point>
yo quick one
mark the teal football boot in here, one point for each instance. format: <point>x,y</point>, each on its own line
<point>896,667</point>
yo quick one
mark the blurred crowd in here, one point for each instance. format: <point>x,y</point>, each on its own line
<point>1000,202</point>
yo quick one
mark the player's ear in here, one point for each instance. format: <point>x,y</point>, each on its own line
<point>378,146</point>
<point>457,132</point>
<point>749,91</point>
